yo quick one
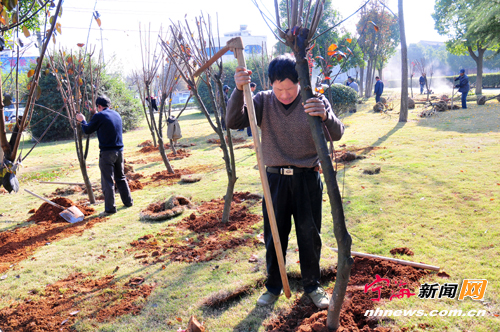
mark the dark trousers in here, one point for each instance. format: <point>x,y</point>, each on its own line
<point>300,196</point>
<point>377,98</point>
<point>249,131</point>
<point>111,165</point>
<point>464,99</point>
<point>422,88</point>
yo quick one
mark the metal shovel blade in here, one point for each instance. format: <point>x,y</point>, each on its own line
<point>72,215</point>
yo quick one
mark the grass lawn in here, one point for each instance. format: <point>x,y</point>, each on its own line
<point>437,193</point>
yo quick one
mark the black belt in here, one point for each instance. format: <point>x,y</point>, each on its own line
<point>290,170</point>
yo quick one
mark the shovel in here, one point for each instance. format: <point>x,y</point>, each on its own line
<point>71,214</point>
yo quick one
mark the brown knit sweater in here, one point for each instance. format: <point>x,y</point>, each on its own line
<point>286,135</point>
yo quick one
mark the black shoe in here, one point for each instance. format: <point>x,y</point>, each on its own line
<point>129,205</point>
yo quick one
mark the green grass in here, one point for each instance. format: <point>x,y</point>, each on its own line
<point>437,193</point>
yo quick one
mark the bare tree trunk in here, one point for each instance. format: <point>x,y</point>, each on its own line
<point>342,236</point>
<point>83,163</point>
<point>361,80</point>
<point>403,112</point>
<point>149,124</point>
<point>479,58</point>
<point>367,79</point>
<point>161,145</point>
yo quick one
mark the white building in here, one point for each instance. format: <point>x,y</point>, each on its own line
<point>253,44</point>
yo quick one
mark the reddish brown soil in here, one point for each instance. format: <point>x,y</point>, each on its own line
<point>166,176</point>
<point>349,154</point>
<point>67,191</point>
<point>20,243</point>
<point>145,143</point>
<point>135,185</point>
<point>151,148</point>
<point>47,212</point>
<point>304,316</point>
<point>402,251</point>
<point>181,154</point>
<point>213,238</point>
<point>100,299</point>
<point>134,176</point>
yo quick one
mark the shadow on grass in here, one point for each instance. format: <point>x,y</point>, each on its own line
<point>384,138</point>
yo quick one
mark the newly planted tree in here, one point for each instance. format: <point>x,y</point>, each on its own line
<point>79,82</point>
<point>188,51</point>
<point>152,60</point>
<point>299,34</point>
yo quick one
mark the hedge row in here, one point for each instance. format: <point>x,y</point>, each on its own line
<point>489,80</point>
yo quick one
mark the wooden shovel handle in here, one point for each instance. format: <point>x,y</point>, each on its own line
<point>263,177</point>
<point>46,200</point>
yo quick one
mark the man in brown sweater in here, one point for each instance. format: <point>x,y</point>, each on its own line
<point>292,168</point>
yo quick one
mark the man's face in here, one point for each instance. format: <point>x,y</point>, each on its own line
<point>252,88</point>
<point>286,91</point>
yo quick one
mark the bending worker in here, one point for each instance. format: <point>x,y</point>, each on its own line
<point>463,86</point>
<point>108,124</point>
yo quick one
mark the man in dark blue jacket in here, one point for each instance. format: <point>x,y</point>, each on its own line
<point>422,80</point>
<point>463,86</point>
<point>379,88</point>
<point>108,125</point>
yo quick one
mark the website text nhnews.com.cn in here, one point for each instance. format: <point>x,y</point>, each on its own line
<point>422,313</point>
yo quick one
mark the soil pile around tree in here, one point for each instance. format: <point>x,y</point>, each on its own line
<point>160,210</point>
<point>47,212</point>
<point>20,243</point>
<point>305,317</point>
<point>83,298</point>
<point>401,251</point>
<point>166,176</point>
<point>202,237</point>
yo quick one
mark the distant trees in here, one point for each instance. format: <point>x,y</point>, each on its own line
<point>458,19</point>
<point>378,38</point>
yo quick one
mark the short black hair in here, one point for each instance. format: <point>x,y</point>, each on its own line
<point>253,85</point>
<point>103,100</point>
<point>281,68</point>
<point>377,77</point>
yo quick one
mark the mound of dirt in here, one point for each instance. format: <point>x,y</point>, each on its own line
<point>134,176</point>
<point>166,176</point>
<point>71,190</point>
<point>481,100</point>
<point>401,251</point>
<point>378,107</point>
<point>160,211</point>
<point>21,242</point>
<point>135,185</point>
<point>191,178</point>
<point>211,238</point>
<point>47,212</point>
<point>411,104</point>
<point>441,106</point>
<point>151,148</point>
<point>145,143</point>
<point>304,316</point>
<point>83,298</point>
